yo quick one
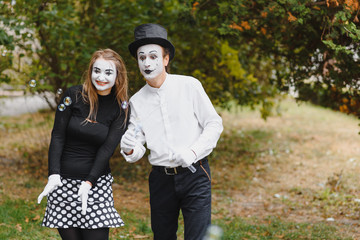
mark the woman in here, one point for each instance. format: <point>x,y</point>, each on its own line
<point>89,123</point>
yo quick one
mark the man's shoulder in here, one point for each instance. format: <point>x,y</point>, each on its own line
<point>139,95</point>
<point>184,79</point>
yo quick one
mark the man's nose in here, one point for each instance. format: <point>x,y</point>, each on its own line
<point>146,63</point>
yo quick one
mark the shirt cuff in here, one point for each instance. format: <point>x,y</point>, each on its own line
<point>138,152</point>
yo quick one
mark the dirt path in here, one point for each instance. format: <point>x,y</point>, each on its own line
<point>311,151</point>
<point>17,105</point>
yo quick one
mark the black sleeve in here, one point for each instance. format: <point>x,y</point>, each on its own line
<point>58,134</point>
<point>116,130</point>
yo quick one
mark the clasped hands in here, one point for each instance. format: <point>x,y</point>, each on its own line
<point>54,181</point>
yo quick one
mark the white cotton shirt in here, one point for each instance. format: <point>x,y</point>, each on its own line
<point>177,116</point>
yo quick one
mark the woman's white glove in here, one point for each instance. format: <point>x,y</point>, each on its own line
<point>53,182</point>
<point>185,158</point>
<point>128,141</point>
<point>83,193</point>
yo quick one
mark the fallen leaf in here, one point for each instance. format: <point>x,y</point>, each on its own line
<point>139,236</point>
<point>18,227</point>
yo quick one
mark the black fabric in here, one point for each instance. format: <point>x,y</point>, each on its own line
<point>84,234</point>
<point>188,192</point>
<point>80,149</point>
<point>150,33</point>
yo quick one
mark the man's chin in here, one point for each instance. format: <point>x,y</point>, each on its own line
<point>149,77</point>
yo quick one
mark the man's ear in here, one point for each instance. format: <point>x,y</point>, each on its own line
<point>166,60</point>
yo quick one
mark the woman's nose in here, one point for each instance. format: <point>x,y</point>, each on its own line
<point>101,77</point>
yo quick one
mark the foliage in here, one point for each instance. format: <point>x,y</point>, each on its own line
<point>312,45</point>
<point>56,39</point>
<point>240,50</point>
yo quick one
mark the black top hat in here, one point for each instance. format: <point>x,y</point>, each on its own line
<point>150,33</point>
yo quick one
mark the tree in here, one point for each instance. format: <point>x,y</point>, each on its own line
<point>313,45</point>
<point>243,51</point>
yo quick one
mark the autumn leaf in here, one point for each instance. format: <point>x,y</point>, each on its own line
<point>235,26</point>
<point>246,25</point>
<point>264,14</point>
<point>356,20</point>
<point>352,5</point>
<point>195,4</point>
<point>139,236</point>
<point>291,17</point>
<point>263,30</point>
<point>332,3</point>
<point>18,227</point>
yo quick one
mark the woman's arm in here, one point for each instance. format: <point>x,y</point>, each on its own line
<point>116,130</point>
<point>58,134</point>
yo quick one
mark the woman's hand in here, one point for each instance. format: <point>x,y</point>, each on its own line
<point>83,193</point>
<point>53,182</point>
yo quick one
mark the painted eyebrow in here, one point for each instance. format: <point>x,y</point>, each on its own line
<point>153,51</point>
<point>109,69</point>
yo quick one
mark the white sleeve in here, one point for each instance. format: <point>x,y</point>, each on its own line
<point>139,149</point>
<point>209,120</point>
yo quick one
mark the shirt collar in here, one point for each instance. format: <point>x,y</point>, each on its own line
<point>162,87</point>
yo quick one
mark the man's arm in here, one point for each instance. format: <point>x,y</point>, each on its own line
<point>132,142</point>
<point>208,119</point>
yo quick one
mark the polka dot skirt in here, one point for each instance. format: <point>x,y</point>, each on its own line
<point>63,209</point>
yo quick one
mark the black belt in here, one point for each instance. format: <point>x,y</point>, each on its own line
<point>178,170</point>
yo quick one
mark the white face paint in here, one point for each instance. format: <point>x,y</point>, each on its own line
<point>103,75</point>
<point>151,61</point>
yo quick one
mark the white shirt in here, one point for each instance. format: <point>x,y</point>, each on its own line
<point>179,115</point>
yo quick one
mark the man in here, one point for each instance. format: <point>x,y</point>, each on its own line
<point>175,118</point>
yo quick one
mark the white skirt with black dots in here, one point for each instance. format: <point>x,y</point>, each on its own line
<point>63,209</point>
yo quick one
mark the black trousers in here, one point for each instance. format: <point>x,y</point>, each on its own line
<point>190,192</point>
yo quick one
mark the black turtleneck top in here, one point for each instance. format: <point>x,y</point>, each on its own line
<point>80,149</point>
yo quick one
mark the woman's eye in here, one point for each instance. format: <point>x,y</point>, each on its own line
<point>142,58</point>
<point>153,57</point>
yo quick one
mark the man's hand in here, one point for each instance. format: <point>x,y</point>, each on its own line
<point>53,182</point>
<point>83,193</point>
<point>128,141</point>
<point>185,158</point>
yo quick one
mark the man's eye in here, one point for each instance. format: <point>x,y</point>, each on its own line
<point>142,58</point>
<point>153,57</point>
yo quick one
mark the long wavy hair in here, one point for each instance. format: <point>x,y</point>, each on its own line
<point>89,92</point>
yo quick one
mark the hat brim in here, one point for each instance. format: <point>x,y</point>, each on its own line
<point>133,47</point>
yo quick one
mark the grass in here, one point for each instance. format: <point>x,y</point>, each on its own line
<point>276,179</point>
<point>274,228</point>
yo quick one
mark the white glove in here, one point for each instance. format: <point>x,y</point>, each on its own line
<point>53,182</point>
<point>185,158</point>
<point>128,141</point>
<point>83,193</point>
